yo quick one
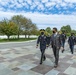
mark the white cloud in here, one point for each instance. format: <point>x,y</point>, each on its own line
<point>18,5</point>
<point>25,5</point>
<point>68,1</point>
<point>29,2</point>
<point>63,4</point>
<point>71,1</point>
<point>21,1</point>
<point>44,1</point>
<point>12,1</point>
<point>74,13</point>
<point>44,21</point>
<point>58,6</point>
<point>1,8</point>
<point>40,7</point>
<point>33,6</point>
<point>59,1</point>
<point>50,4</point>
<point>37,2</point>
<point>50,8</point>
<point>70,5</point>
<point>3,3</point>
<point>12,5</point>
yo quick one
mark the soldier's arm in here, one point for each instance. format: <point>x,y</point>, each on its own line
<point>68,40</point>
<point>75,40</point>
<point>65,37</point>
<point>60,39</point>
<point>38,40</point>
<point>47,42</point>
<point>51,41</point>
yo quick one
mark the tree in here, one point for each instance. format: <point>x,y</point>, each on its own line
<point>8,28</point>
<point>34,29</point>
<point>73,31</point>
<point>48,30</point>
<point>29,28</point>
<point>67,29</point>
<point>24,25</point>
<point>20,21</point>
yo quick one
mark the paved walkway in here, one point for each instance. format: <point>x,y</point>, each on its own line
<point>25,61</point>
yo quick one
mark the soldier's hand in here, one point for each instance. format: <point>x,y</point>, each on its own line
<point>62,48</point>
<point>47,46</point>
<point>36,46</point>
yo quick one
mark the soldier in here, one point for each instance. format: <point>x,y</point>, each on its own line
<point>48,39</point>
<point>63,37</point>
<point>75,40</point>
<point>43,42</point>
<point>56,43</point>
<point>71,42</point>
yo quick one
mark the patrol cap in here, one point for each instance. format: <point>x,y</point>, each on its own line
<point>42,30</point>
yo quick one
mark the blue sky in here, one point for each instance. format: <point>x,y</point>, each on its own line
<point>45,13</point>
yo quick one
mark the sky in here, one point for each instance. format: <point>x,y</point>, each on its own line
<point>44,13</point>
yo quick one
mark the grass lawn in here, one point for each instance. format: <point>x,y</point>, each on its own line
<point>17,40</point>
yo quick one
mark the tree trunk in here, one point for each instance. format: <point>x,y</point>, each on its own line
<point>19,33</point>
<point>8,37</point>
<point>25,36</point>
<point>18,36</point>
<point>28,36</point>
